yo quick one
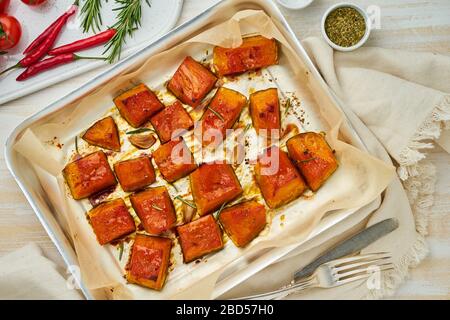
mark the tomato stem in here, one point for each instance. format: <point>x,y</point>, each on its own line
<point>17,65</point>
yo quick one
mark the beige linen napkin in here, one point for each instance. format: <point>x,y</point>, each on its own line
<point>27,274</point>
<point>398,102</point>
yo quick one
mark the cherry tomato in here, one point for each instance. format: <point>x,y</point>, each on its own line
<point>4,4</point>
<point>10,32</point>
<point>33,2</point>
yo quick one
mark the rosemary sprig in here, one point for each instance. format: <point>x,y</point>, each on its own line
<point>190,204</point>
<point>128,20</point>
<point>120,250</point>
<point>140,130</point>
<point>91,15</point>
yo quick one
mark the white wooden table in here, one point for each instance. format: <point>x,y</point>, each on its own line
<point>414,25</point>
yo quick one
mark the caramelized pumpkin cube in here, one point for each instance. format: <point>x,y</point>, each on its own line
<point>265,110</point>
<point>254,53</point>
<point>222,113</point>
<point>278,178</point>
<point>104,134</point>
<point>138,105</point>
<point>313,157</point>
<point>212,185</point>
<point>155,209</point>
<point>111,221</point>
<point>243,222</point>
<point>135,174</point>
<point>174,160</point>
<point>191,82</point>
<point>171,122</point>
<point>89,175</point>
<point>199,237</point>
<point>149,261</point>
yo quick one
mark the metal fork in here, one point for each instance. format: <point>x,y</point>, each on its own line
<point>334,273</point>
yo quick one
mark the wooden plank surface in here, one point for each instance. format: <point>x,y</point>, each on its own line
<point>414,25</point>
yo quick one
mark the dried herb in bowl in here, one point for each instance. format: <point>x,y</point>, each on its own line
<point>345,26</point>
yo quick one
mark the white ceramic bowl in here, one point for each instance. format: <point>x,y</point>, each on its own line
<point>363,39</point>
<point>295,4</point>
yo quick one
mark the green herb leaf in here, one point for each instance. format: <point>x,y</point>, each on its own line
<point>220,209</point>
<point>173,186</point>
<point>91,15</point>
<point>76,145</point>
<point>128,20</point>
<point>216,113</point>
<point>190,204</point>
<point>120,250</point>
<point>157,207</point>
<point>140,130</point>
<point>307,160</point>
<point>288,106</point>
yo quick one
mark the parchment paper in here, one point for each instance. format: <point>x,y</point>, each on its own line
<point>49,145</point>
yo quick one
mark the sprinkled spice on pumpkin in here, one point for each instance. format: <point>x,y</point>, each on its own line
<point>345,26</point>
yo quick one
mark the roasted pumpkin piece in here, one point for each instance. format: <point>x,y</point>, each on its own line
<point>313,157</point>
<point>155,209</point>
<point>111,221</point>
<point>212,185</point>
<point>222,113</point>
<point>254,53</point>
<point>138,105</point>
<point>191,82</point>
<point>265,110</point>
<point>171,122</point>
<point>199,237</point>
<point>278,178</point>
<point>89,175</point>
<point>149,261</point>
<point>135,174</point>
<point>243,222</point>
<point>104,134</point>
<point>174,160</point>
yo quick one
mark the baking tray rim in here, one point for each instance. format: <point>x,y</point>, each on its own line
<point>64,247</point>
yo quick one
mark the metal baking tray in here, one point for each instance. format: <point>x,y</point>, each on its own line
<point>34,190</point>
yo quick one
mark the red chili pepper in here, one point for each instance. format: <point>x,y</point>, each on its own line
<point>49,29</point>
<point>82,44</point>
<point>46,44</point>
<point>50,63</point>
<point>42,49</point>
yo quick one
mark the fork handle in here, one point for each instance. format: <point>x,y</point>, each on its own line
<point>281,293</point>
<point>354,244</point>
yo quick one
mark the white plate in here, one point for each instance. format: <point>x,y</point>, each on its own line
<point>156,21</point>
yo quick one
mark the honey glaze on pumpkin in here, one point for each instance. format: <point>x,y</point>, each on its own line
<point>148,262</point>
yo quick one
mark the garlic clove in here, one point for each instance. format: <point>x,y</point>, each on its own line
<point>142,141</point>
<point>188,213</point>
